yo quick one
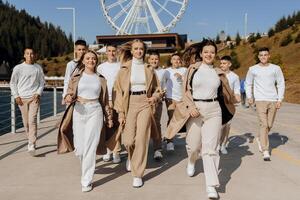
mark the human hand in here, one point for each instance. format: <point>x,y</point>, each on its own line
<point>151,100</point>
<point>110,123</point>
<point>68,99</point>
<point>19,101</point>
<point>195,113</point>
<point>278,104</point>
<point>122,121</point>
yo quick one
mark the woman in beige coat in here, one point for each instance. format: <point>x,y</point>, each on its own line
<point>137,90</point>
<point>83,120</point>
<point>206,104</point>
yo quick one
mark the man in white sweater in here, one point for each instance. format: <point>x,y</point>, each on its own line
<point>109,70</point>
<point>27,84</point>
<point>265,84</point>
<point>234,83</point>
<point>80,48</point>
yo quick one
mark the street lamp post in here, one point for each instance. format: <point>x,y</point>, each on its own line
<point>74,24</point>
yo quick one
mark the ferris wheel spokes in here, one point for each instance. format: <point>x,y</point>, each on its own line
<point>159,25</point>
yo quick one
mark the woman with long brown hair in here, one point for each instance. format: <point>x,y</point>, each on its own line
<point>82,125</point>
<point>207,103</point>
<point>137,90</point>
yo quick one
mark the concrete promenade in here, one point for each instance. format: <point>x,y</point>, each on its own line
<point>243,173</point>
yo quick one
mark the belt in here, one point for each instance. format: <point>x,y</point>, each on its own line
<point>207,100</point>
<point>84,101</point>
<point>137,92</point>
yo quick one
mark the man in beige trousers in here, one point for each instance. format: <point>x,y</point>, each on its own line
<point>26,84</point>
<point>265,84</point>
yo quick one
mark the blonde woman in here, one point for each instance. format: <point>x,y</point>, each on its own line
<point>137,90</point>
<point>83,120</point>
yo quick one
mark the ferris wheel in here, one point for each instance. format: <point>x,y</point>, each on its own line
<point>143,16</point>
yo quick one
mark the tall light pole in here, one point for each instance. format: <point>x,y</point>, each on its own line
<point>74,24</point>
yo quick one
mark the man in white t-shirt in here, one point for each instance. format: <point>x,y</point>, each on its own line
<point>80,49</point>
<point>234,83</point>
<point>109,70</point>
<point>27,84</point>
<point>173,78</point>
<point>153,60</point>
<point>265,84</point>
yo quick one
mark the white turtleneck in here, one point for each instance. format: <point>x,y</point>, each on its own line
<point>205,82</point>
<point>137,78</point>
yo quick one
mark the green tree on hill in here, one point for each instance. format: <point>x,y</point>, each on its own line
<point>238,39</point>
<point>271,32</point>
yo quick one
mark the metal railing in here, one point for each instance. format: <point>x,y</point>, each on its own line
<point>10,115</point>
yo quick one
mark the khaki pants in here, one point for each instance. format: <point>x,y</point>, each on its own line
<point>203,137</point>
<point>171,105</point>
<point>225,133</point>
<point>266,111</point>
<point>118,146</point>
<point>29,111</point>
<point>137,133</point>
<point>157,116</point>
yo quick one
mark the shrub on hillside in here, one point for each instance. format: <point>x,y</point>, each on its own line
<point>67,58</point>
<point>49,58</point>
<point>297,39</point>
<point>55,60</point>
<point>234,60</point>
<point>286,40</point>
<point>271,32</point>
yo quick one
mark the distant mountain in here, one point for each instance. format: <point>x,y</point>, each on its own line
<point>19,30</point>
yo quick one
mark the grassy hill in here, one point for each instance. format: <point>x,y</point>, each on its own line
<point>287,57</point>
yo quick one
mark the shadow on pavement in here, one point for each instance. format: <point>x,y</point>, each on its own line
<point>232,161</point>
<point>275,140</point>
<point>169,160</point>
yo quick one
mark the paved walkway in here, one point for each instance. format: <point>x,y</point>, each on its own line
<point>243,173</point>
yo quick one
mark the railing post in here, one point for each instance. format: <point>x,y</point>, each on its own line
<point>13,114</point>
<point>54,101</point>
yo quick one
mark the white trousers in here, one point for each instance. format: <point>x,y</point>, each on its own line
<point>203,138</point>
<point>87,125</point>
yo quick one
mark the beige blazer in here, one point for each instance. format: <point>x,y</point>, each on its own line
<point>122,88</point>
<point>65,131</point>
<point>183,108</point>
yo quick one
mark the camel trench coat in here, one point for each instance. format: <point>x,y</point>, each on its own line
<point>65,132</point>
<point>122,89</point>
<point>182,112</point>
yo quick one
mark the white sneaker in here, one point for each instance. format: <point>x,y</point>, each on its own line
<point>107,156</point>
<point>31,149</point>
<point>137,182</point>
<point>128,167</point>
<point>223,149</point>
<point>211,192</point>
<point>190,169</point>
<point>266,156</point>
<point>170,146</point>
<point>87,188</point>
<point>259,145</point>
<point>116,158</point>
<point>158,155</point>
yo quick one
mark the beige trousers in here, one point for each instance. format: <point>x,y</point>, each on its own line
<point>225,133</point>
<point>157,116</point>
<point>118,146</point>
<point>203,137</point>
<point>137,133</point>
<point>29,111</point>
<point>171,105</point>
<point>266,111</point>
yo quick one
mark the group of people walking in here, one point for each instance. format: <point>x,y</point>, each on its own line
<point>121,100</point>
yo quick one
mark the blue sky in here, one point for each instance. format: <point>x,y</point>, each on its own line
<point>201,19</point>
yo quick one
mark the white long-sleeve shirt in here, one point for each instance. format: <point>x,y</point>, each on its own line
<point>69,70</point>
<point>160,72</point>
<point>174,84</point>
<point>234,82</point>
<point>110,72</point>
<point>27,80</point>
<point>267,83</point>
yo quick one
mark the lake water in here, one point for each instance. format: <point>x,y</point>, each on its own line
<point>46,108</point>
